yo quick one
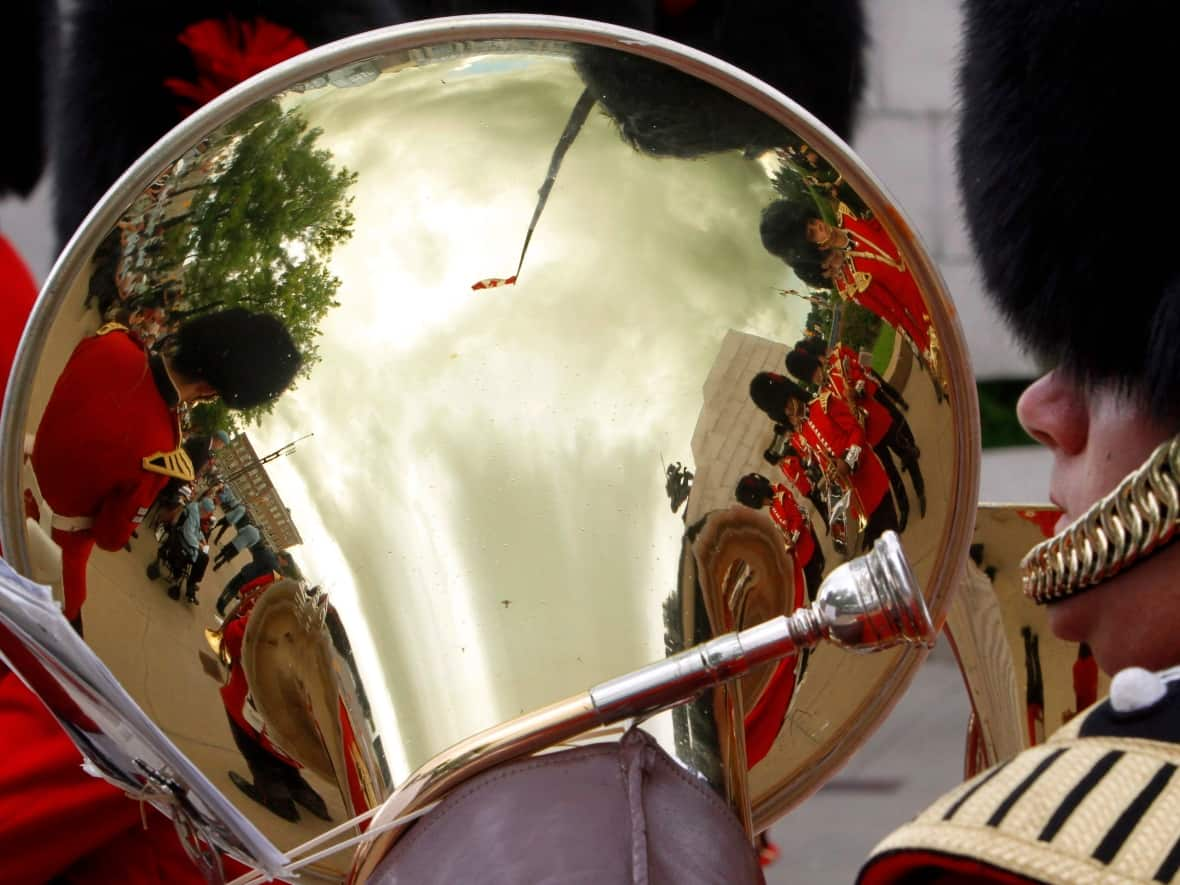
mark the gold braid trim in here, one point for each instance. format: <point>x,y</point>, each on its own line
<point>1087,785</point>
<point>1140,515</point>
<point>175,464</point>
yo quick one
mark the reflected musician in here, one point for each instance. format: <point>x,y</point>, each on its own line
<point>278,783</point>
<point>803,478</point>
<point>829,435</point>
<point>756,491</point>
<point>764,720</point>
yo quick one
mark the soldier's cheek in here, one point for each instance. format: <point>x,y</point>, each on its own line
<point>1072,619</point>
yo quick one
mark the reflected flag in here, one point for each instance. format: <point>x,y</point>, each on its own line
<point>494,282</point>
<point>573,126</point>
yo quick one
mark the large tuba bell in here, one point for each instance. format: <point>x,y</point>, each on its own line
<point>529,264</point>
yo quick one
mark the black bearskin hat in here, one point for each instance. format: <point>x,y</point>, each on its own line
<point>812,50</point>
<point>754,490</point>
<point>248,358</point>
<point>118,93</point>
<point>32,30</point>
<point>802,363</point>
<point>1063,105</point>
<point>772,393</point>
<point>784,235</point>
<point>784,231</point>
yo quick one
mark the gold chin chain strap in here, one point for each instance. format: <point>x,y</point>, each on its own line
<point>1140,515</point>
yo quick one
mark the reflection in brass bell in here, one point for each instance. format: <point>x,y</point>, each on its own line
<point>866,605</point>
<point>493,441</point>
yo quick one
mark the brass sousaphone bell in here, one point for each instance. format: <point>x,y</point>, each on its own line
<point>539,314</point>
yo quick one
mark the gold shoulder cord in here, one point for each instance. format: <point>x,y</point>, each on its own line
<point>1137,517</point>
<point>175,464</point>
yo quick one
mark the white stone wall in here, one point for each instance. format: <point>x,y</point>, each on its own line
<point>906,135</point>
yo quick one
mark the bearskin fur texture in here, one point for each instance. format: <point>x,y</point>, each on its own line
<point>32,30</point>
<point>1066,180</point>
<point>110,101</point>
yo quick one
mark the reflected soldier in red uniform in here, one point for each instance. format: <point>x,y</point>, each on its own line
<point>278,782</point>
<point>868,268</point>
<point>782,454</point>
<point>765,719</point>
<point>756,491</point>
<point>886,428</point>
<point>110,439</point>
<point>859,259</point>
<point>829,435</point>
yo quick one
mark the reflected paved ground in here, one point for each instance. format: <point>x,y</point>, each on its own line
<point>157,647</point>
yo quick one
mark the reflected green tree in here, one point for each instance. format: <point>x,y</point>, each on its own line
<point>261,227</point>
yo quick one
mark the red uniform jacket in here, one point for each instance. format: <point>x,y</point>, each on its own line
<point>792,468</point>
<point>849,380</point>
<point>105,419</point>
<point>796,528</point>
<point>875,276</point>
<point>830,430</point>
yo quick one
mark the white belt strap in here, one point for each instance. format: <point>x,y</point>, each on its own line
<point>71,523</point>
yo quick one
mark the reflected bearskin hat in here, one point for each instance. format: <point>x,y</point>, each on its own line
<point>248,358</point>
<point>124,87</point>
<point>1067,185</point>
<point>812,50</point>
<point>137,68</point>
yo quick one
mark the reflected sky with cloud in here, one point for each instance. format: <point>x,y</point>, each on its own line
<point>485,464</point>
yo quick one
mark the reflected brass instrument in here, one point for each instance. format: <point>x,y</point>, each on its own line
<point>1023,682</point>
<point>479,496</point>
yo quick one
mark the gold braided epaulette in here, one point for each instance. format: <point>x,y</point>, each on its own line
<point>1117,531</point>
<point>175,464</point>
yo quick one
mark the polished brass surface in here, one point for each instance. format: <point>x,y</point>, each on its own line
<point>1142,513</point>
<point>866,605</point>
<point>509,467</point>
<point>1024,682</point>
